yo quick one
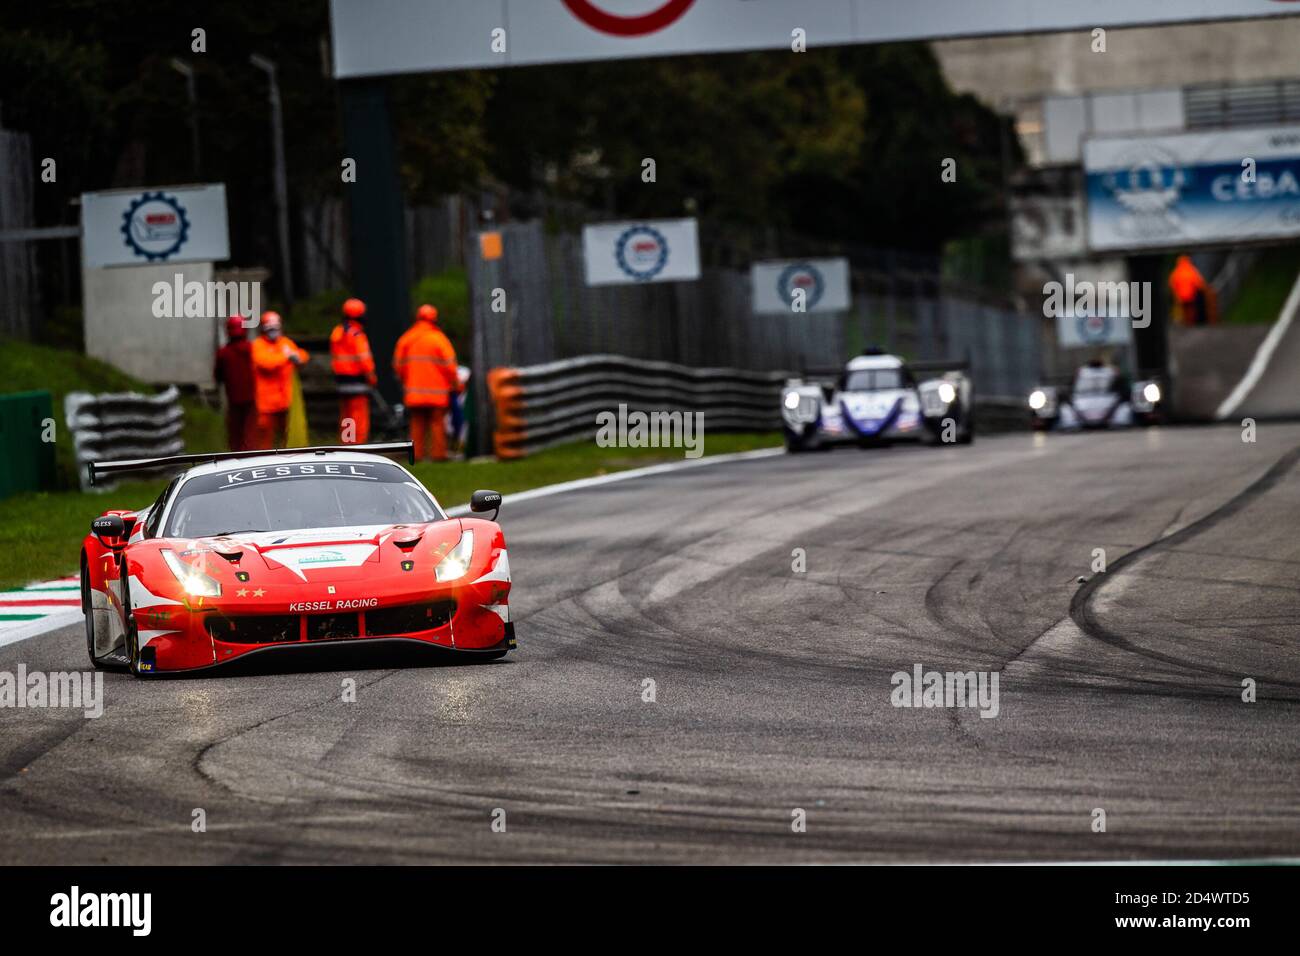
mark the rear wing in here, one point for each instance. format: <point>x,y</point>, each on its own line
<point>109,469</point>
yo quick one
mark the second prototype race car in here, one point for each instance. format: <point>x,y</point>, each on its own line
<point>1100,397</point>
<point>878,398</point>
<point>273,551</point>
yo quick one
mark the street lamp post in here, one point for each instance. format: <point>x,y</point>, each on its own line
<point>187,71</point>
<point>281,185</point>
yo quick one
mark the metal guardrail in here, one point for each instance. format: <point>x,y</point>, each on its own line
<point>543,405</point>
<point>120,426</point>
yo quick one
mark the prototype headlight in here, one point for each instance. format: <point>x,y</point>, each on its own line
<point>194,581</point>
<point>1151,393</point>
<point>947,394</point>
<point>792,400</point>
<point>1037,399</point>
<point>456,563</point>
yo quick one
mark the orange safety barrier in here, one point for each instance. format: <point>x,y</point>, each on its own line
<point>508,435</point>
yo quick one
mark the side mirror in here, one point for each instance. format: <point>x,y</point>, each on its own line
<point>483,500</point>
<point>113,529</point>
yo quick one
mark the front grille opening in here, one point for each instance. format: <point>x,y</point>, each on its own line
<point>333,627</point>
<point>409,618</point>
<point>254,628</point>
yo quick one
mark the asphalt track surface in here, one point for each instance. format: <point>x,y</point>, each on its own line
<point>772,687</point>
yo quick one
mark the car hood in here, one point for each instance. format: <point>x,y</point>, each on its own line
<point>319,554</point>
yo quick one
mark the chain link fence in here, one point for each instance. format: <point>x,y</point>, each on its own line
<point>533,306</point>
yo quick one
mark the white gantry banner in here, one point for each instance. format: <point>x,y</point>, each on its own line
<point>373,37</point>
<point>653,250</point>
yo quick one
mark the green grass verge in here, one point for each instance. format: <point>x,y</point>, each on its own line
<point>40,534</point>
<point>1266,287</point>
<point>25,366</point>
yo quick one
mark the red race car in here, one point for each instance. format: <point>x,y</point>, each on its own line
<point>267,552</point>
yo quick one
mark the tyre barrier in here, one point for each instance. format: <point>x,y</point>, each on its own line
<point>539,406</point>
<point>120,426</point>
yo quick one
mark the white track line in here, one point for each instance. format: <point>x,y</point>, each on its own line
<point>580,483</point>
<point>65,617</point>
<point>1262,357</point>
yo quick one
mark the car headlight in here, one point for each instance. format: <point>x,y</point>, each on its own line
<point>194,581</point>
<point>456,563</point>
<point>1037,399</point>
<point>792,400</point>
<point>1151,393</point>
<point>947,394</point>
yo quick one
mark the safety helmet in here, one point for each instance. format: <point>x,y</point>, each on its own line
<point>235,327</point>
<point>270,320</point>
<point>354,308</point>
<point>427,312</point>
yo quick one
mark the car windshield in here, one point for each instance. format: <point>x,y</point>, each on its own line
<point>870,380</point>
<point>286,497</point>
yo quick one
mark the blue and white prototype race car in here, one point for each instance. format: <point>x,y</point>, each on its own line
<point>876,399</point>
<point>1100,397</point>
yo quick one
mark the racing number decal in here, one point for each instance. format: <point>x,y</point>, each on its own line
<point>628,26</point>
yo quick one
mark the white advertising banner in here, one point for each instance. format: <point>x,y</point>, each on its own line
<point>1180,190</point>
<point>800,285</point>
<point>136,227</point>
<point>655,250</point>
<point>373,37</point>
<point>1095,305</point>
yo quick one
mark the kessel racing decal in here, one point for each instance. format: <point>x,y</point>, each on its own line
<point>304,470</point>
<point>354,604</point>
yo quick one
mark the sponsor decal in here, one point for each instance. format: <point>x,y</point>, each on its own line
<point>344,605</point>
<point>155,226</point>
<point>801,275</point>
<point>663,14</point>
<point>322,557</point>
<point>641,252</point>
<point>1094,329</point>
<point>250,475</point>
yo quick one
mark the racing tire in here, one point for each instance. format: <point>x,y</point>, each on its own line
<point>967,436</point>
<point>131,638</point>
<point>89,613</point>
<point>132,641</point>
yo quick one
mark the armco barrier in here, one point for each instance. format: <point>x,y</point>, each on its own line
<point>543,405</point>
<point>29,459</point>
<point>123,425</point>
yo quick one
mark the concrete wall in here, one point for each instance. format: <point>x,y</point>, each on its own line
<point>1242,51</point>
<point>121,328</point>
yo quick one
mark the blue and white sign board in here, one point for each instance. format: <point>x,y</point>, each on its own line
<point>654,250</point>
<point>138,227</point>
<point>800,285</point>
<point>1176,191</point>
